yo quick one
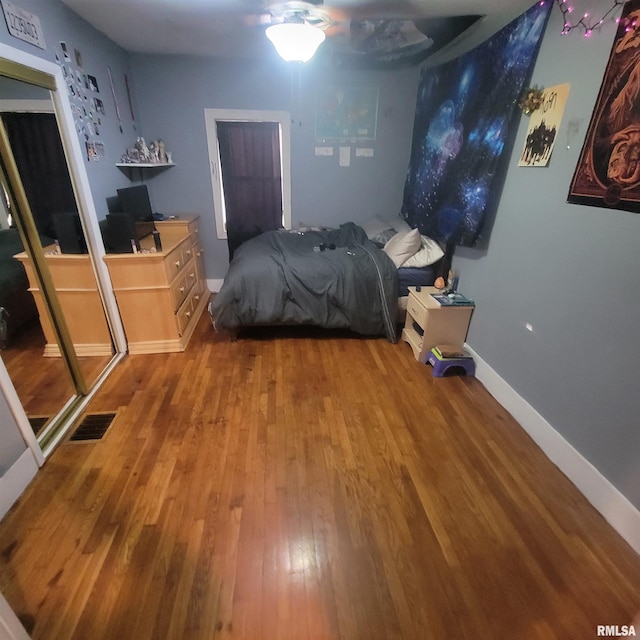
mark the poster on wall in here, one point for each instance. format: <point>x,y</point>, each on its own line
<point>346,113</point>
<point>466,110</point>
<point>543,127</point>
<point>608,169</point>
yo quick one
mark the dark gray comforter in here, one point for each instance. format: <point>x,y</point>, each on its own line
<point>278,278</point>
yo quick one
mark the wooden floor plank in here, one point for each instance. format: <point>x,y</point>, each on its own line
<point>308,485</point>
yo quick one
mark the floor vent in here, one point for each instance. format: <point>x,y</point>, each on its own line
<point>93,427</point>
<point>37,422</point>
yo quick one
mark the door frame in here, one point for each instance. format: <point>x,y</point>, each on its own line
<point>283,118</point>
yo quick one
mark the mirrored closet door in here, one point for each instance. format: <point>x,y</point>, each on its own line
<point>55,336</point>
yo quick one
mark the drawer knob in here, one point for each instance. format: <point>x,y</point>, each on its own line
<point>177,264</point>
<point>192,275</point>
<point>197,297</point>
<point>188,252</point>
<point>181,289</point>
<point>188,314</point>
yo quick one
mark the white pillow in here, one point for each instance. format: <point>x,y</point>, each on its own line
<point>402,246</point>
<point>428,253</point>
<point>373,226</point>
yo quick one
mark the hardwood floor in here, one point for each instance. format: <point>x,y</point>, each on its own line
<point>308,487</point>
<point>44,384</point>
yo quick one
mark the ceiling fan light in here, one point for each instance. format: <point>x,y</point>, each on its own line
<point>295,42</point>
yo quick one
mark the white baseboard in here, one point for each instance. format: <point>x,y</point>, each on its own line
<point>215,285</point>
<point>16,479</point>
<point>614,507</point>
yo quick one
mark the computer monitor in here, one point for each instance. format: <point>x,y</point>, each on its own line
<point>135,201</point>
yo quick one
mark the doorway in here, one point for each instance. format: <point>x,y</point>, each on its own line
<point>277,120</point>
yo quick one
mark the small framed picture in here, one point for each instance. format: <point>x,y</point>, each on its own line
<point>93,84</point>
<point>65,51</point>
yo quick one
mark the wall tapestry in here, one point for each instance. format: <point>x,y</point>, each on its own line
<point>608,170</point>
<point>543,127</point>
<point>462,127</point>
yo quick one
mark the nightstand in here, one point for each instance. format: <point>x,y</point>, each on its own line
<point>428,323</point>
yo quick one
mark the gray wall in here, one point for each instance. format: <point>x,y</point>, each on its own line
<point>173,92</point>
<point>98,53</point>
<point>573,273</point>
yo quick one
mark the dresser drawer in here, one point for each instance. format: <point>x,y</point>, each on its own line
<point>197,293</point>
<point>179,291</point>
<point>175,261</point>
<point>184,315</point>
<point>416,311</point>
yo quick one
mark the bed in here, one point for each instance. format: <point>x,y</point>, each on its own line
<point>352,278</point>
<point>330,278</point>
<point>17,306</point>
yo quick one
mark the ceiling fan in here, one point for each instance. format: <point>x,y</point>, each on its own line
<point>370,33</point>
<point>296,28</point>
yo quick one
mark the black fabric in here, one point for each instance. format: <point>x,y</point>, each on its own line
<point>37,149</point>
<point>415,276</point>
<point>251,179</point>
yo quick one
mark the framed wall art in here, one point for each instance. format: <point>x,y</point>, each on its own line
<point>346,113</point>
<point>608,169</point>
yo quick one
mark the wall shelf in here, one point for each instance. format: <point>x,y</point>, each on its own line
<point>143,168</point>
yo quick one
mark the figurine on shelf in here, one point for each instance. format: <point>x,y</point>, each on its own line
<point>153,152</point>
<point>143,150</point>
<point>162,154</point>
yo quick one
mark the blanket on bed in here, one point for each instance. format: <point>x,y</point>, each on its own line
<point>297,278</point>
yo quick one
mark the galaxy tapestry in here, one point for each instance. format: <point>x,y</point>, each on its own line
<point>463,125</point>
<point>608,171</point>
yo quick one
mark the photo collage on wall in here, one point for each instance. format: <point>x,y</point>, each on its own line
<point>87,104</point>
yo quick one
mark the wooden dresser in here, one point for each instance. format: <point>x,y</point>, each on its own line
<point>77,291</point>
<point>161,294</point>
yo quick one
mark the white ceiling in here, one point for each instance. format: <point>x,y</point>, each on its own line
<point>230,28</point>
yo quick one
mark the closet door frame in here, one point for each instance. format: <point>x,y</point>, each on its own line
<point>31,69</point>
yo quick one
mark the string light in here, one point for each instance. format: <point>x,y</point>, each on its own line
<point>587,23</point>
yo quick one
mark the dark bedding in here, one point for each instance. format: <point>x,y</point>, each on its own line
<point>17,306</point>
<point>416,276</point>
<point>278,278</point>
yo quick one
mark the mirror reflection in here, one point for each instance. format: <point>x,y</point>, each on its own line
<point>30,348</point>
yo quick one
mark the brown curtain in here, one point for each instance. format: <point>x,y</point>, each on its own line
<point>251,178</point>
<point>37,148</point>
